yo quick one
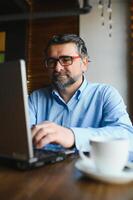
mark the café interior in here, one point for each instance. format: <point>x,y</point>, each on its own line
<point>107,28</point>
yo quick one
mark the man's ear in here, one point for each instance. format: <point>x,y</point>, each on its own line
<point>85,64</point>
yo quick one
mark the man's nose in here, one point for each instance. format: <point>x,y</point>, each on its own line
<point>58,66</point>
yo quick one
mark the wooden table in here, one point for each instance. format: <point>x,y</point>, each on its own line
<point>60,181</point>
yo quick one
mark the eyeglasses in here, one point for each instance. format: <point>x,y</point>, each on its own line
<point>63,60</point>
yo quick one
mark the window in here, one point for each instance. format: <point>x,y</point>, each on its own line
<point>2,46</point>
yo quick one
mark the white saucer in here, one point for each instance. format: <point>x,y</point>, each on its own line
<point>90,170</point>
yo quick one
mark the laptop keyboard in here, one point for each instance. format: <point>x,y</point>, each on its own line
<point>42,154</point>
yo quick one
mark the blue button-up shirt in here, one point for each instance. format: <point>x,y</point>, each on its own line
<point>95,109</point>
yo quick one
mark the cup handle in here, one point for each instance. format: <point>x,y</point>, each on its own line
<point>82,155</point>
<point>86,159</point>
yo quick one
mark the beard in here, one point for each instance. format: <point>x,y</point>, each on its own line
<point>63,81</point>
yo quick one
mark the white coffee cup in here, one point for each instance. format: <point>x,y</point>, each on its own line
<point>109,155</point>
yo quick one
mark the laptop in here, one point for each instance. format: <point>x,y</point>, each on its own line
<point>16,146</point>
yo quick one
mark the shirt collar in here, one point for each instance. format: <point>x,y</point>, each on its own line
<point>83,85</point>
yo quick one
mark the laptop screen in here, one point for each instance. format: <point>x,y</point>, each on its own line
<point>15,136</point>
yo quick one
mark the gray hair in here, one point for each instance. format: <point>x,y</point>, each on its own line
<point>67,38</point>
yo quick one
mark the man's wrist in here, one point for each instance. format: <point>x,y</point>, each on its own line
<point>73,138</point>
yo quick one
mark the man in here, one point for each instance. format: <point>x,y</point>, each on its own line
<point>71,110</point>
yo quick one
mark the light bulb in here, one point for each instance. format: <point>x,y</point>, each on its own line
<point>100,6</point>
<point>110,22</point>
<point>109,9</point>
<point>102,18</point>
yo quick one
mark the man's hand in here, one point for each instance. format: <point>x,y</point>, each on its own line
<point>49,132</point>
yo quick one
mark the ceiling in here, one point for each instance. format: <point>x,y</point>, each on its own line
<point>20,9</point>
<point>13,6</point>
